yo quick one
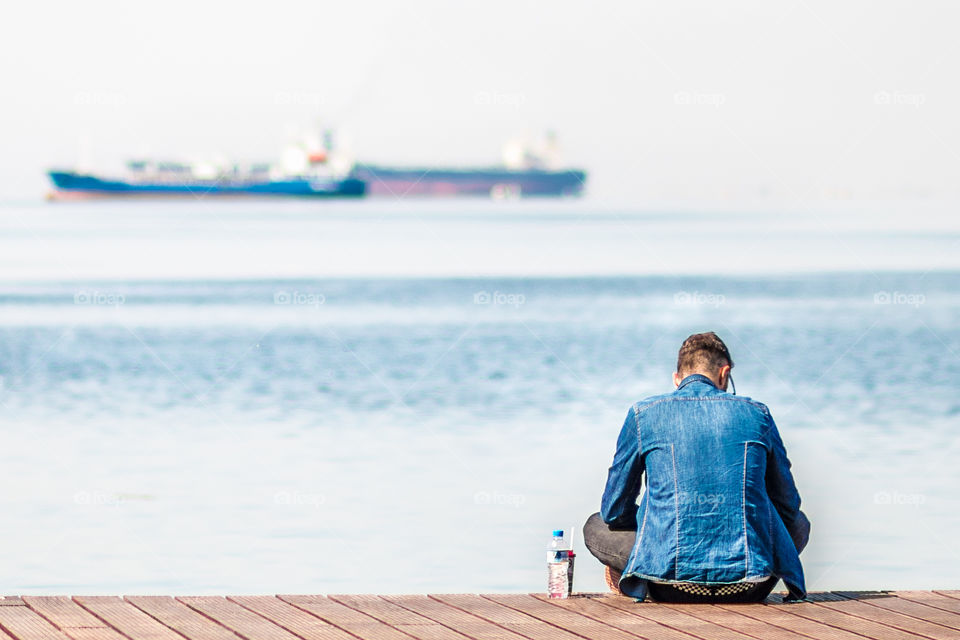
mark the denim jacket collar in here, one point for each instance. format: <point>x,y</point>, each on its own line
<point>695,377</point>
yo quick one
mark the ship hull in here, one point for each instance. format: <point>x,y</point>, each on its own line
<point>69,184</point>
<point>485,182</point>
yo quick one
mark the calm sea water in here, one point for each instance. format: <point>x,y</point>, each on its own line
<point>265,398</point>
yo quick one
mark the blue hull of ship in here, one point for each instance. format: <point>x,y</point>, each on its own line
<point>69,182</point>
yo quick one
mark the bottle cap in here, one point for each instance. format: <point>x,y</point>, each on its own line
<point>558,533</point>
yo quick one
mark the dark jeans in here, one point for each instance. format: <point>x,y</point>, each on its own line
<point>612,547</point>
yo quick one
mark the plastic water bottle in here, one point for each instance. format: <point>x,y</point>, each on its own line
<point>559,576</point>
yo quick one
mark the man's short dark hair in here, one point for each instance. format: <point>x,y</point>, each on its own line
<point>703,352</point>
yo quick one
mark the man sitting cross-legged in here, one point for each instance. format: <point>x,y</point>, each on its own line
<point>720,519</point>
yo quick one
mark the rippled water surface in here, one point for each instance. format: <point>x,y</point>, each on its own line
<point>185,412</point>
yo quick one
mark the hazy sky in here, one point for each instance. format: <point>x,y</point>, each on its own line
<point>795,100</point>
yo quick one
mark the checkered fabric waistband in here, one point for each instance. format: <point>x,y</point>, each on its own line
<point>708,590</point>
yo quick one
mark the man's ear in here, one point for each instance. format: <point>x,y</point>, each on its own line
<point>677,378</point>
<point>723,376</point>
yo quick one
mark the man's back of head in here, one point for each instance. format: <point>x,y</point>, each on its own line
<point>705,354</point>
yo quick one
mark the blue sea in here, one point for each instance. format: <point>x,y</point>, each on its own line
<point>223,397</point>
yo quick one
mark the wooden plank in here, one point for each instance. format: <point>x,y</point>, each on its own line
<point>450,616</point>
<point>24,623</point>
<point>396,616</point>
<point>505,617</point>
<point>181,618</point>
<point>923,615</point>
<point>919,607</point>
<point>932,599</point>
<point>90,633</point>
<point>347,618</point>
<point>296,621</point>
<point>691,618</point>
<point>785,617</point>
<point>878,607</point>
<point>126,618</point>
<point>382,610</point>
<point>627,618</point>
<point>841,620</point>
<point>950,593</point>
<point>572,621</point>
<point>241,621</point>
<point>736,622</point>
<point>399,617</point>
<point>71,618</point>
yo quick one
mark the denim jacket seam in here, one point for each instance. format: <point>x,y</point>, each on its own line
<point>641,406</point>
<point>743,511</point>
<point>770,518</point>
<point>759,405</point>
<point>676,504</point>
<point>643,524</point>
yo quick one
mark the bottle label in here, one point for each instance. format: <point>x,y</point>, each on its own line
<point>558,576</point>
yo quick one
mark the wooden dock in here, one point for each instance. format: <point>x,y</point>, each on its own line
<point>840,615</point>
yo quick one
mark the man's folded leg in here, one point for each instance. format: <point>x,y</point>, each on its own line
<point>611,547</point>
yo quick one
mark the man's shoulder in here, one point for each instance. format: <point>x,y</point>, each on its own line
<point>642,405</point>
<point>750,402</point>
<point>746,402</point>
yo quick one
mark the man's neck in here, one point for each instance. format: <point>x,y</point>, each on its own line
<point>706,375</point>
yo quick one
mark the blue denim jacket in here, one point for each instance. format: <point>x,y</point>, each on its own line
<point>720,504</point>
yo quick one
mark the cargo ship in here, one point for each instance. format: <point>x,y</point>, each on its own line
<point>312,169</point>
<point>305,170</point>
<point>527,170</point>
<point>494,182</point>
<point>73,184</point>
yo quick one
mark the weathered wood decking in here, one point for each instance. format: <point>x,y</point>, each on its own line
<point>843,615</point>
